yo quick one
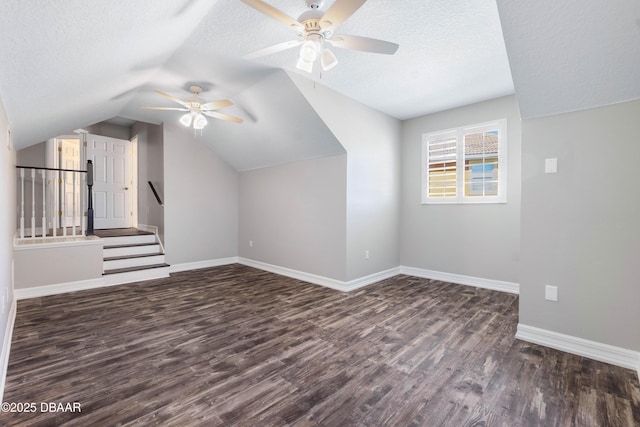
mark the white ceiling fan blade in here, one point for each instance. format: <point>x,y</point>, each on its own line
<point>221,116</point>
<point>165,108</point>
<point>214,105</point>
<point>173,98</point>
<point>273,49</point>
<point>339,12</point>
<point>364,44</point>
<point>274,13</point>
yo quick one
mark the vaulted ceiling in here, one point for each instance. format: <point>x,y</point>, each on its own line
<point>72,63</point>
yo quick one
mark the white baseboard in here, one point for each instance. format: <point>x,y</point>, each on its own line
<point>6,347</point>
<point>59,288</point>
<point>176,268</point>
<point>101,282</point>
<point>116,279</point>
<point>478,282</point>
<point>149,228</point>
<point>361,282</point>
<point>295,274</point>
<point>617,356</point>
<point>321,280</point>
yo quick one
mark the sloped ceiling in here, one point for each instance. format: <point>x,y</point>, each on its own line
<point>572,55</point>
<point>281,127</point>
<point>72,63</point>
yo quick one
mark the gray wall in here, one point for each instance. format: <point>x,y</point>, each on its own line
<point>34,155</point>
<point>62,264</point>
<point>111,130</point>
<point>481,241</point>
<point>372,142</point>
<point>7,231</point>
<point>201,200</point>
<point>150,168</point>
<point>295,215</point>
<point>580,227</point>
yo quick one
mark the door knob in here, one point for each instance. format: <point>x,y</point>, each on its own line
<point>125,188</point>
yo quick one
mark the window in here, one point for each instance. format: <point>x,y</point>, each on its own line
<point>465,165</point>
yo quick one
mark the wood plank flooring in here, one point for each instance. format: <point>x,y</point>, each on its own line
<point>118,232</point>
<point>234,345</point>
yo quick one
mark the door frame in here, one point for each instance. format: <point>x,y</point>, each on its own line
<point>132,193</point>
<point>52,161</point>
<point>133,176</point>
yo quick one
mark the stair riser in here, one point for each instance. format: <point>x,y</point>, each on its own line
<point>129,240</point>
<point>132,250</point>
<point>136,276</point>
<point>132,262</point>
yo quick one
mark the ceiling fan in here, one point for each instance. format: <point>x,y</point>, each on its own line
<point>197,108</point>
<point>315,33</point>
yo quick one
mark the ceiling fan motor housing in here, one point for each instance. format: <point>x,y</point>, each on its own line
<point>314,4</point>
<point>311,22</point>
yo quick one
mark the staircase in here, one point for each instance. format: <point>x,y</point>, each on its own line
<point>131,255</point>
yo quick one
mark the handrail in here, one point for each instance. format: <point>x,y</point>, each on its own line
<point>155,193</point>
<point>49,169</point>
<point>58,206</point>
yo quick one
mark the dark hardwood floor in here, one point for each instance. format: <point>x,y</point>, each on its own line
<point>118,232</point>
<point>234,345</point>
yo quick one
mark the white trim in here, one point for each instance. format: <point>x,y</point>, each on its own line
<point>29,243</point>
<point>321,280</point>
<point>459,134</point>
<point>361,282</point>
<point>136,276</point>
<point>176,268</point>
<point>59,288</point>
<point>102,282</point>
<point>617,356</point>
<point>152,229</point>
<point>133,177</point>
<point>478,282</point>
<point>6,347</point>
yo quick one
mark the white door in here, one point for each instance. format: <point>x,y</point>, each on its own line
<point>111,181</point>
<point>70,159</point>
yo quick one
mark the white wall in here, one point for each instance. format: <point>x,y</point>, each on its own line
<point>580,226</point>
<point>372,142</point>
<point>150,168</point>
<point>481,241</point>
<point>7,232</point>
<point>201,199</point>
<point>295,215</point>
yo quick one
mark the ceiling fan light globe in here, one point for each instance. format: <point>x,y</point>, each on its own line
<point>186,120</point>
<point>199,122</point>
<point>304,65</point>
<point>309,51</point>
<point>328,60</point>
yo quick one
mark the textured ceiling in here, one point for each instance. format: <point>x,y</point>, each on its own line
<point>67,64</point>
<point>71,63</point>
<point>572,54</point>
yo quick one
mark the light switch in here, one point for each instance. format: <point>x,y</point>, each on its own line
<point>551,165</point>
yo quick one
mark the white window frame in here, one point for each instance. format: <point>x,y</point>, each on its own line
<point>459,133</point>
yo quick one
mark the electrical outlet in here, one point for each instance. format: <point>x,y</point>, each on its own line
<point>551,165</point>
<point>551,293</point>
<point>250,243</point>
<point>366,254</point>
